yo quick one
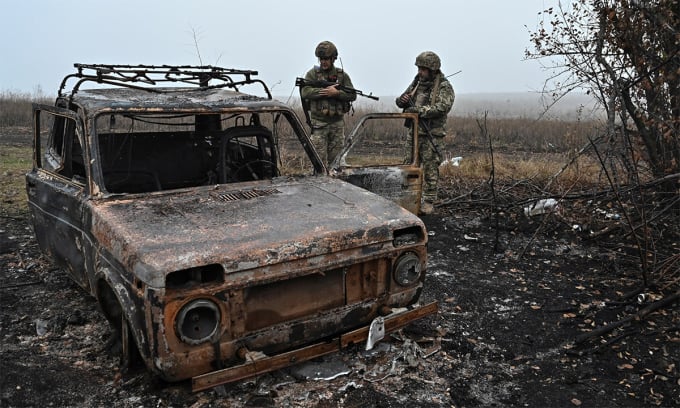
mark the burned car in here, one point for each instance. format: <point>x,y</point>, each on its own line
<point>203,221</point>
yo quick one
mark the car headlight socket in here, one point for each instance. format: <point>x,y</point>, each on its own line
<point>198,321</point>
<point>407,269</point>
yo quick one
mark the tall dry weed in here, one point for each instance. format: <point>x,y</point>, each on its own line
<point>16,107</point>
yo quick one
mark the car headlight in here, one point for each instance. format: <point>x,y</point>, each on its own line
<point>407,269</point>
<point>198,321</point>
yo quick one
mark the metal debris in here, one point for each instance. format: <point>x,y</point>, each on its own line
<point>321,370</point>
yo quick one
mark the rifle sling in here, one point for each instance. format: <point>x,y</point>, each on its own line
<point>435,89</point>
<point>433,100</point>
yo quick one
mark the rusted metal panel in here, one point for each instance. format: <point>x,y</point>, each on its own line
<point>289,299</point>
<point>57,216</point>
<point>280,327</point>
<point>399,184</point>
<point>366,280</point>
<point>180,360</point>
<point>336,217</point>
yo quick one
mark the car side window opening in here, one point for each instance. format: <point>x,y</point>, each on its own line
<point>379,142</point>
<point>150,152</point>
<point>63,153</point>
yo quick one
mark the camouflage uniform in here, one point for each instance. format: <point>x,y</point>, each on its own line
<point>327,114</point>
<point>432,111</point>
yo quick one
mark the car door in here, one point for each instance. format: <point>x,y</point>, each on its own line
<point>382,157</point>
<point>56,189</point>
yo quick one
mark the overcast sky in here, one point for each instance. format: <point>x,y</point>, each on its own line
<point>378,40</point>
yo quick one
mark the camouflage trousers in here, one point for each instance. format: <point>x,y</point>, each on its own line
<point>430,162</point>
<point>328,139</point>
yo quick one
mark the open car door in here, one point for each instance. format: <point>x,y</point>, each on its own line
<point>383,158</point>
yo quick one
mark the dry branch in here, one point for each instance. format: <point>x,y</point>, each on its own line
<point>667,301</point>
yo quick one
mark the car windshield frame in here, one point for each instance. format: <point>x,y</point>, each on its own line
<point>275,137</point>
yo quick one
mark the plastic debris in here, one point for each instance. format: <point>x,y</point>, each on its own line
<point>41,327</point>
<point>320,370</point>
<point>541,207</point>
<point>349,385</point>
<point>452,161</point>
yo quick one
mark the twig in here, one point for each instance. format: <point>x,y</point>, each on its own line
<point>9,217</point>
<point>602,345</point>
<point>561,310</point>
<point>198,50</point>
<point>566,165</point>
<point>669,300</point>
<point>16,285</point>
<point>492,178</point>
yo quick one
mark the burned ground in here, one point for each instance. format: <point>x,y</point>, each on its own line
<point>518,296</point>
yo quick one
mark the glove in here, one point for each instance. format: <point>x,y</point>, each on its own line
<point>411,109</point>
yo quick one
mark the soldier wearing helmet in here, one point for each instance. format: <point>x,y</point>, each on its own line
<point>431,96</point>
<point>328,105</point>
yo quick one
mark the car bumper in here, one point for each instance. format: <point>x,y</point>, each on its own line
<point>266,364</point>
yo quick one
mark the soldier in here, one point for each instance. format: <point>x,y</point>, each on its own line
<point>431,96</point>
<point>327,106</point>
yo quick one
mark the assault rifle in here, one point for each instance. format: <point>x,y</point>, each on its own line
<point>425,124</point>
<point>322,84</point>
<point>422,122</point>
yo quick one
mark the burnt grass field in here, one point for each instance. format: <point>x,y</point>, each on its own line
<point>537,311</point>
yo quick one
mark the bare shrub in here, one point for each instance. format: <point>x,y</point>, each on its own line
<point>15,107</point>
<point>522,134</point>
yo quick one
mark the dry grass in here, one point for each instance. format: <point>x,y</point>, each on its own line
<point>15,162</point>
<point>15,107</point>
<point>517,166</point>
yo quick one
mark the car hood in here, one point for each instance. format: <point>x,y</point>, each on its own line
<point>242,227</point>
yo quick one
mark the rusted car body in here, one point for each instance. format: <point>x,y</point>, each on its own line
<point>203,221</point>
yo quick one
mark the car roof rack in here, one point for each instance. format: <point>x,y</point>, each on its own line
<point>147,77</point>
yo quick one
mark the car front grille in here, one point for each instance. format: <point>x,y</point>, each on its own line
<point>285,300</point>
<point>244,194</point>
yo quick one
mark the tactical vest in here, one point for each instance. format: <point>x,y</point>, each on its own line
<point>329,109</point>
<point>427,95</point>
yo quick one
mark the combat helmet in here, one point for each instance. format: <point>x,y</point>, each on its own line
<point>326,49</point>
<point>428,59</point>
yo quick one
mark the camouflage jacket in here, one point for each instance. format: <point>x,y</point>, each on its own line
<point>324,108</point>
<point>432,109</point>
